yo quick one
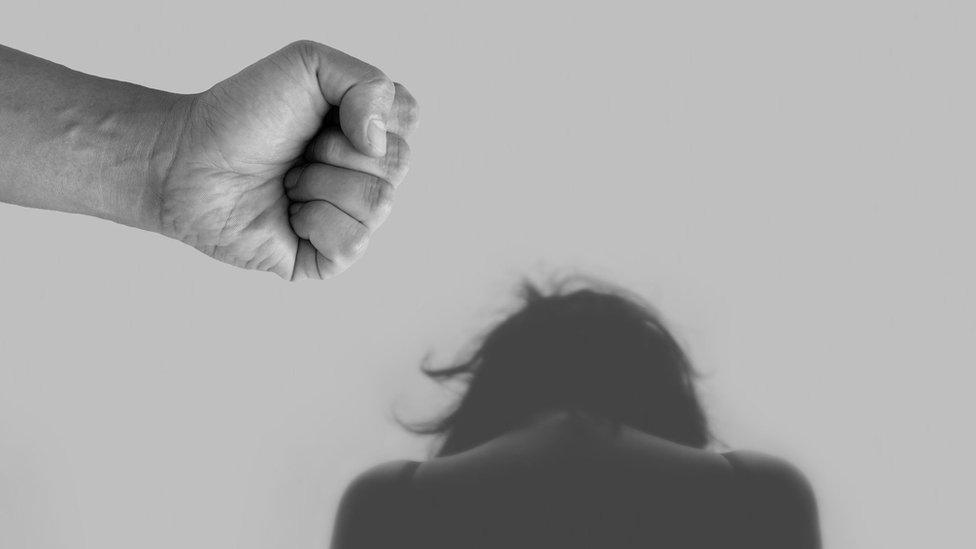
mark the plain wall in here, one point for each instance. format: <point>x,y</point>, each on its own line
<point>790,183</point>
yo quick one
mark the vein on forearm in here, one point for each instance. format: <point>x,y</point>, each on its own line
<point>74,142</point>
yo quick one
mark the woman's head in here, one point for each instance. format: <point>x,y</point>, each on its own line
<point>582,346</point>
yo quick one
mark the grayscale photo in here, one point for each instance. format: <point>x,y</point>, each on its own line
<point>507,275</point>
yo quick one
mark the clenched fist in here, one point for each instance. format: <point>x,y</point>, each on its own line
<point>289,165</point>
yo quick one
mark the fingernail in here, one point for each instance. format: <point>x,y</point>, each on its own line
<point>376,135</point>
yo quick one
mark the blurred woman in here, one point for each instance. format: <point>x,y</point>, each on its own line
<point>580,428</point>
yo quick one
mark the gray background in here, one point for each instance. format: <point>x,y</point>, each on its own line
<point>788,182</point>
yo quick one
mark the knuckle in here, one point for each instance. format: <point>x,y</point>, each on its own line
<point>294,177</point>
<point>375,78</point>
<point>304,47</point>
<point>355,242</point>
<point>306,51</point>
<point>409,108</point>
<point>379,197</point>
<point>326,267</point>
<point>397,158</point>
<point>412,111</point>
<point>381,81</point>
<point>331,146</point>
<point>380,87</point>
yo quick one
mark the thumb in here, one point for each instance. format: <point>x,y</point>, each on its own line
<point>363,113</point>
<point>363,94</point>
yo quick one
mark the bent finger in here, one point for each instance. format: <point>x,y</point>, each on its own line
<point>362,92</point>
<point>331,146</point>
<point>331,231</point>
<point>364,197</point>
<point>405,113</point>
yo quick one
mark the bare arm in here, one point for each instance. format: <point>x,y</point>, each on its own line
<point>81,144</point>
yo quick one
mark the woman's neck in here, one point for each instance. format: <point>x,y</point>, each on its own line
<point>547,417</point>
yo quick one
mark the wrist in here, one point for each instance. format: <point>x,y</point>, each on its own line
<point>173,111</point>
<point>118,140</point>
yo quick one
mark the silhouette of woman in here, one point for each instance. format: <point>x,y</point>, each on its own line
<point>580,428</point>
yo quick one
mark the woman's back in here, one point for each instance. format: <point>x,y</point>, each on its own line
<point>565,481</point>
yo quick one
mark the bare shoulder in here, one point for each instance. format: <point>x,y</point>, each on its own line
<point>375,496</point>
<point>777,501</point>
<point>770,470</point>
<point>378,480</point>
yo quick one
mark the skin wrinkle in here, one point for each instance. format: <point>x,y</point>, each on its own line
<point>227,218</point>
<point>294,265</point>
<point>260,217</point>
<point>398,170</point>
<point>208,122</point>
<point>336,206</point>
<point>298,85</point>
<point>269,261</point>
<point>333,147</point>
<point>319,257</point>
<point>155,154</point>
<point>313,70</point>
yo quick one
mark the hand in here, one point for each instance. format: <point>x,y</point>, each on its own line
<point>289,165</point>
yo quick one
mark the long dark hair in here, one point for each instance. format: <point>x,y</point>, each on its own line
<point>584,346</point>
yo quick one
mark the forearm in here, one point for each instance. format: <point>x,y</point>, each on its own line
<point>78,143</point>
